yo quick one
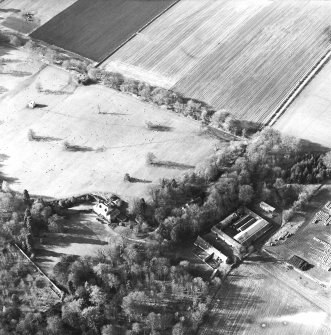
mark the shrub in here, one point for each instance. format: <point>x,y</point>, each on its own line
<point>94,74</point>
<point>129,86</point>
<point>150,158</point>
<point>16,41</point>
<point>145,91</point>
<point>127,177</point>
<point>31,135</point>
<point>55,224</point>
<point>112,80</point>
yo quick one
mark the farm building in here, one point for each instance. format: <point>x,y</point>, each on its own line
<point>327,206</point>
<point>108,212</point>
<point>325,259</point>
<point>267,208</point>
<point>208,253</point>
<point>299,263</point>
<point>226,238</point>
<point>228,220</point>
<point>240,230</point>
<point>322,217</point>
<point>252,232</point>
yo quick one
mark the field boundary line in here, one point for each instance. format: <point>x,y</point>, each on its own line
<point>298,88</point>
<point>54,287</point>
<point>136,33</point>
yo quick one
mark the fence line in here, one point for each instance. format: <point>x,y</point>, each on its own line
<point>54,287</point>
<point>298,89</point>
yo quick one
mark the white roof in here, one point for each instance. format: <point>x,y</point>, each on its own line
<point>251,231</point>
<point>266,206</point>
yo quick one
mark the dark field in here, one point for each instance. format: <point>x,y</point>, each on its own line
<point>96,28</point>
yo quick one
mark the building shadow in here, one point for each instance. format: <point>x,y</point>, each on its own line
<point>40,106</point>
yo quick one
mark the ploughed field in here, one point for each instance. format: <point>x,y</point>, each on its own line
<point>253,301</point>
<point>96,28</point>
<point>244,56</point>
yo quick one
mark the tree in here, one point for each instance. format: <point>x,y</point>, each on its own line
<point>26,197</point>
<point>80,272</point>
<point>246,194</point>
<point>108,330</point>
<point>56,223</point>
<point>327,160</point>
<point>150,158</point>
<point>55,325</point>
<point>178,329</point>
<point>72,313</point>
<point>127,178</point>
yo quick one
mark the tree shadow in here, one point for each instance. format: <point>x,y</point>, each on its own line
<point>309,146</point>
<point>232,309</point>
<point>46,138</point>
<point>17,73</point>
<point>67,239</point>
<point>158,127</point>
<point>116,114</point>
<point>137,180</point>
<point>173,165</point>
<point>76,148</point>
<point>9,10</point>
<point>3,177</point>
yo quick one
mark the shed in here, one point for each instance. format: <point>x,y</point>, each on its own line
<point>267,208</point>
<point>107,212</point>
<point>299,263</point>
<point>31,104</point>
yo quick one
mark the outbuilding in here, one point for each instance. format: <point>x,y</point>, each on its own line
<point>299,263</point>
<point>267,208</point>
<point>107,212</point>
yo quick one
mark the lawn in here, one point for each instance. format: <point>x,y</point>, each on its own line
<point>96,28</point>
<point>83,236</point>
<point>110,144</point>
<point>309,116</point>
<point>253,302</point>
<point>16,66</point>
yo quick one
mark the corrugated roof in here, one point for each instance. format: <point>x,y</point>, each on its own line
<point>254,229</point>
<point>298,262</point>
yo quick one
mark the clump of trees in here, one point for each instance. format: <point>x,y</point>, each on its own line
<point>266,168</point>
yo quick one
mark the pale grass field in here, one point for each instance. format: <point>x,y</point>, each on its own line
<point>44,168</point>
<point>309,116</point>
<point>16,66</point>
<point>43,10</point>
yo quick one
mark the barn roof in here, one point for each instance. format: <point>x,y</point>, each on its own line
<point>298,262</point>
